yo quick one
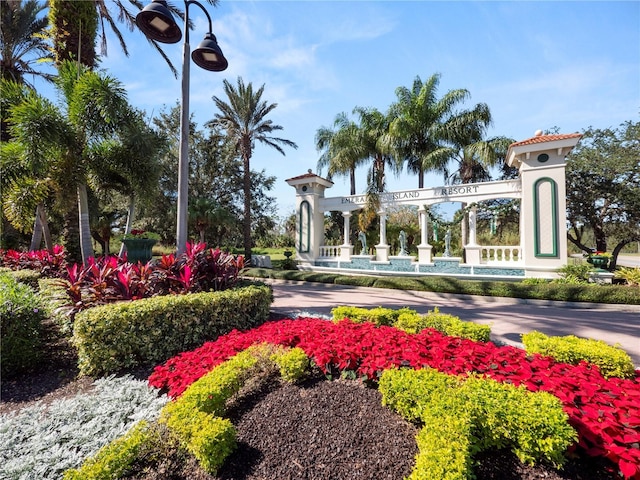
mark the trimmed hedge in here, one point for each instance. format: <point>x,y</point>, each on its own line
<point>28,277</point>
<point>113,460</point>
<point>441,284</point>
<point>612,360</point>
<point>195,417</point>
<point>412,322</point>
<point>463,416</point>
<point>21,316</point>
<point>146,332</point>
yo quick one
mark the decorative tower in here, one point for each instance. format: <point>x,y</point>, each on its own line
<point>309,217</point>
<point>543,208</point>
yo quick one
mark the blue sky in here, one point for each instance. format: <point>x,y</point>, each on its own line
<point>537,65</point>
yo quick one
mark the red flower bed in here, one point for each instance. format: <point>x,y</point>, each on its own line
<point>49,264</point>
<point>606,413</point>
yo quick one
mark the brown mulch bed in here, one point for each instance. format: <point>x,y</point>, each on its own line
<point>316,430</point>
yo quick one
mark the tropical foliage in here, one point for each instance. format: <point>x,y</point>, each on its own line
<point>244,118</point>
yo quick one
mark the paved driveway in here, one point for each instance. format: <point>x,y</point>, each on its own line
<point>509,318</point>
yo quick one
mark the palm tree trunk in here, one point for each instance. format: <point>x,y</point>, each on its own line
<point>86,245</point>
<point>36,237</point>
<point>129,225</point>
<point>41,227</point>
<point>247,204</point>
<point>352,178</point>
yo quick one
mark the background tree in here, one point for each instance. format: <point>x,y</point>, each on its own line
<point>94,111</point>
<point>22,42</point>
<point>603,188</point>
<point>244,119</point>
<point>340,149</point>
<point>426,131</point>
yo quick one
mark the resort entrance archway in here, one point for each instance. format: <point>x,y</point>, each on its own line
<point>540,188</point>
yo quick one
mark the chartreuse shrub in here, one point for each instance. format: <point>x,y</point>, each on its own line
<point>195,417</point>
<point>378,316</point>
<point>612,360</point>
<point>148,331</point>
<point>463,416</point>
<point>443,322</point>
<point>113,460</point>
<point>412,322</point>
<point>21,317</point>
<point>28,277</point>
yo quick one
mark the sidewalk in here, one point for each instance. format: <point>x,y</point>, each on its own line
<point>508,317</point>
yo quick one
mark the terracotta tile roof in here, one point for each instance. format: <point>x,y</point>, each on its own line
<point>545,138</point>
<point>307,175</point>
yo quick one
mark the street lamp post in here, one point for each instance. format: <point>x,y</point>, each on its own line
<point>157,23</point>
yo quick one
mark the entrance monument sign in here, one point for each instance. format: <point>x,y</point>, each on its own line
<point>540,187</point>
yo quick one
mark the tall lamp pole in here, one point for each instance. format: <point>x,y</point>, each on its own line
<point>157,23</point>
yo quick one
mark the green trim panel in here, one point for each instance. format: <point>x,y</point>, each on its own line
<point>545,218</point>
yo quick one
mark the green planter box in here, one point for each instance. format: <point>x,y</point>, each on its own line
<point>139,249</point>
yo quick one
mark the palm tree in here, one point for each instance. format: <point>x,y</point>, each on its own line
<point>26,183</point>
<point>75,25</point>
<point>22,42</point>
<point>95,110</point>
<point>425,130</point>
<point>472,162</point>
<point>341,152</point>
<point>374,142</point>
<point>244,119</point>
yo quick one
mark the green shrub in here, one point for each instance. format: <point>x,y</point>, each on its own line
<point>463,416</point>
<point>28,277</point>
<point>113,460</point>
<point>195,417</point>
<point>575,273</point>
<point>612,360</point>
<point>378,316</point>
<point>148,331</point>
<point>21,317</point>
<point>210,392</point>
<point>450,325</point>
<point>631,275</point>
<point>55,297</point>
<point>293,363</point>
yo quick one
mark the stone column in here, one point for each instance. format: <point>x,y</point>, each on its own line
<point>424,249</point>
<point>382,249</point>
<point>472,249</point>
<point>346,250</point>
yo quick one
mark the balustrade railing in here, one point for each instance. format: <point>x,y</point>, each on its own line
<point>501,255</point>
<point>329,251</point>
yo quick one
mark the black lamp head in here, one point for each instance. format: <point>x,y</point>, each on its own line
<point>208,55</point>
<point>156,22</point>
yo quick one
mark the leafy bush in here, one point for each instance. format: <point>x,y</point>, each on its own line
<point>21,317</point>
<point>109,279</point>
<point>443,322</point>
<point>612,361</point>
<point>631,275</point>
<point>545,291</point>
<point>148,331</point>
<point>46,263</point>
<point>28,277</point>
<point>113,460</point>
<point>461,417</point>
<point>412,322</point>
<point>377,316</point>
<point>574,273</point>
<point>195,417</point>
<point>293,363</point>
